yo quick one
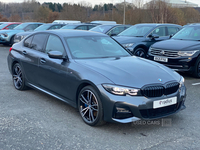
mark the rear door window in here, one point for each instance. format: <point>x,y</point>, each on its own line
<point>38,41</point>
<point>27,42</point>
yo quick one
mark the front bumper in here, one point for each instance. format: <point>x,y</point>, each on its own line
<point>138,107</point>
<point>4,39</point>
<point>182,64</point>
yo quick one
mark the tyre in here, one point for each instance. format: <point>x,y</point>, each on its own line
<point>197,68</point>
<point>12,41</point>
<point>90,106</point>
<point>140,52</point>
<point>18,77</point>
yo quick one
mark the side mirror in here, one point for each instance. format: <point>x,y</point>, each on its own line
<point>113,34</point>
<point>171,36</point>
<point>55,54</point>
<point>153,36</point>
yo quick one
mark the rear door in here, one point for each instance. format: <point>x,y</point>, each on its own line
<point>33,47</point>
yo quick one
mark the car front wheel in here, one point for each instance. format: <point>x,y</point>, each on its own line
<point>90,106</point>
<point>140,52</point>
<point>197,68</point>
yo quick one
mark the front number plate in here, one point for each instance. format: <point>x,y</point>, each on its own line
<point>164,102</point>
<point>162,59</point>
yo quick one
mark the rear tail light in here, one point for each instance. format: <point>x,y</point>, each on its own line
<point>10,49</point>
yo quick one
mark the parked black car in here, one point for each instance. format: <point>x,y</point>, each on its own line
<point>89,71</point>
<point>80,26</point>
<point>140,37</point>
<point>49,26</point>
<point>181,52</point>
<point>110,29</point>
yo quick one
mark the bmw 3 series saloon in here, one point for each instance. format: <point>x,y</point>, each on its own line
<point>92,72</point>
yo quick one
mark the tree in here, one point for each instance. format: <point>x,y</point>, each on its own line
<point>15,18</point>
<point>3,19</point>
<point>42,14</point>
<point>53,16</point>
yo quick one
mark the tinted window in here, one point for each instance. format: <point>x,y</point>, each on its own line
<point>55,27</point>
<point>159,31</point>
<point>90,27</point>
<point>172,30</point>
<point>82,28</point>
<point>54,44</point>
<point>27,42</point>
<point>38,42</point>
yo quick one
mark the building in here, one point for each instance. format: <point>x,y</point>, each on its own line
<point>174,3</point>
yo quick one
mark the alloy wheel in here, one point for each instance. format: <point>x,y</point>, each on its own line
<point>17,77</point>
<point>89,108</point>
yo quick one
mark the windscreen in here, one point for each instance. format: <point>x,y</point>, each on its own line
<point>42,27</point>
<point>69,27</point>
<point>188,33</point>
<point>3,25</point>
<point>21,26</point>
<point>102,29</point>
<point>95,47</point>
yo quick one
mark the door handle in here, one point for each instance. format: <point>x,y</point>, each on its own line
<point>24,52</point>
<point>42,60</point>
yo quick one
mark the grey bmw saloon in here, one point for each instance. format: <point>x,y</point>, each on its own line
<point>96,75</point>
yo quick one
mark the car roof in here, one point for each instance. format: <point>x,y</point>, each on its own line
<point>193,24</point>
<point>33,23</point>
<point>113,25</point>
<point>72,33</point>
<point>157,24</point>
<point>79,24</point>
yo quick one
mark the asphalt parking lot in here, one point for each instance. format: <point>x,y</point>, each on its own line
<point>33,120</point>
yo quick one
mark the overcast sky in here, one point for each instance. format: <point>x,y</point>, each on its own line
<point>93,2</point>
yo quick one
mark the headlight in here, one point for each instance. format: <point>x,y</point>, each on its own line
<point>21,37</point>
<point>128,45</point>
<point>187,53</point>
<point>5,34</point>
<point>182,81</point>
<point>120,90</point>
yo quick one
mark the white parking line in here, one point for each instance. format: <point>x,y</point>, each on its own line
<point>196,84</point>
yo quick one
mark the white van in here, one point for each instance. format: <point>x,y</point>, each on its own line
<point>104,22</point>
<point>66,21</point>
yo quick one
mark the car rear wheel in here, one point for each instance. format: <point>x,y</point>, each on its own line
<point>90,106</point>
<point>197,68</point>
<point>140,52</point>
<point>18,77</point>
